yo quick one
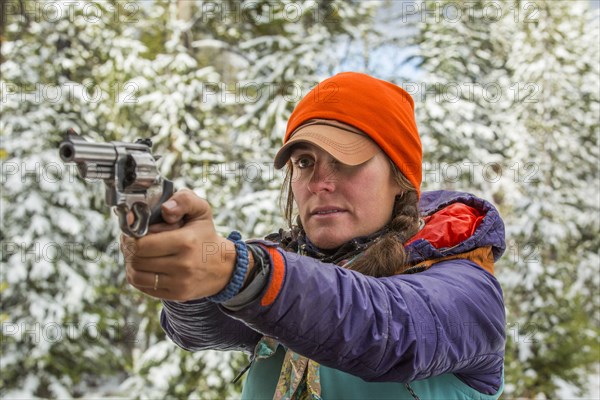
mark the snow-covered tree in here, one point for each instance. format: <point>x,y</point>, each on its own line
<point>509,109</point>
<point>555,216</point>
<point>462,96</point>
<point>507,104</point>
<point>212,90</point>
<point>66,327</point>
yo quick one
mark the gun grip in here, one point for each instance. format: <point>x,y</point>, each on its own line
<point>167,192</point>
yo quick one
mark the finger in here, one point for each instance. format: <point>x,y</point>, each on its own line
<point>171,209</point>
<point>160,244</point>
<point>166,265</point>
<point>149,246</point>
<point>156,285</point>
<point>185,203</point>
<point>163,294</point>
<point>159,293</point>
<point>149,280</point>
<point>163,227</point>
<point>130,218</point>
<point>128,246</point>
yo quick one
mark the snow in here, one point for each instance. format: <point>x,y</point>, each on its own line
<point>567,391</point>
<point>60,241</point>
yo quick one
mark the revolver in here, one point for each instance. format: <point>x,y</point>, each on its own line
<point>130,175</point>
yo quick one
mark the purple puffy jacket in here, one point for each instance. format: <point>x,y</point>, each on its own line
<point>449,318</point>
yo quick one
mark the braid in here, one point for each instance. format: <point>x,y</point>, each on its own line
<point>387,255</point>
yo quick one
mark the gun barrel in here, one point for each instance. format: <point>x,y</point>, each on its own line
<point>86,152</point>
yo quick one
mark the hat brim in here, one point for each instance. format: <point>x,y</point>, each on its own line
<point>347,147</point>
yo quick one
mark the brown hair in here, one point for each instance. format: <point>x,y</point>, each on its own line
<point>386,256</point>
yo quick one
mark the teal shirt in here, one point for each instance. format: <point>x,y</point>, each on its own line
<point>264,373</point>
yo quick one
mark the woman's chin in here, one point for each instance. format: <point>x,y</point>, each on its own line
<point>327,242</point>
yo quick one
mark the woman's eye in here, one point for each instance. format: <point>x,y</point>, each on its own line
<point>302,162</point>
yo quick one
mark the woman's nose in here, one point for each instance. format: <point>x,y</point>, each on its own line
<point>323,178</point>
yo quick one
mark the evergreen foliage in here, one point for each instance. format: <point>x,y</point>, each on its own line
<point>213,89</point>
<point>507,101</point>
<point>510,111</point>
<point>66,319</point>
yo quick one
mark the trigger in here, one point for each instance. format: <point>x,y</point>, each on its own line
<point>141,217</point>
<point>141,221</point>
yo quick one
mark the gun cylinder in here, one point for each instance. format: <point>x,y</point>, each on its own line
<point>140,171</point>
<point>96,171</point>
<point>82,152</point>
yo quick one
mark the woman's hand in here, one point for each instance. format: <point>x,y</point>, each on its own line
<point>184,258</point>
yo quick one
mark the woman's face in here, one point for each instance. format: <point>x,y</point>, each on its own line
<point>339,202</point>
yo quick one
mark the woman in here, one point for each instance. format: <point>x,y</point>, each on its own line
<point>377,291</point>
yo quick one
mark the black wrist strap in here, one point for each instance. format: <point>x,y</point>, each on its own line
<point>258,254</point>
<point>255,283</point>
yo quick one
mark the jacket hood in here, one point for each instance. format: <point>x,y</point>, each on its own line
<point>456,223</point>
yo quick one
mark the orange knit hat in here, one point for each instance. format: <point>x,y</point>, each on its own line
<point>382,110</point>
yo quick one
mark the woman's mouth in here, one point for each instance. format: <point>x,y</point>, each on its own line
<point>326,211</point>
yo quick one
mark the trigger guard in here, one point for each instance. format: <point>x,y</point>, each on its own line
<point>141,213</point>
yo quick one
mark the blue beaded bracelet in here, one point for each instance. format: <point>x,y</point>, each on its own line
<point>239,273</point>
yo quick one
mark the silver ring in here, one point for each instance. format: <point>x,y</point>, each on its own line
<point>155,281</point>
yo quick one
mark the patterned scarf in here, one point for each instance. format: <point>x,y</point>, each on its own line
<point>296,241</point>
<point>299,378</point>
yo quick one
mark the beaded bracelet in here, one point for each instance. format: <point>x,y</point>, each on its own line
<point>239,273</point>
